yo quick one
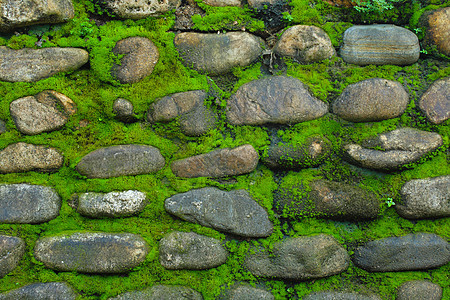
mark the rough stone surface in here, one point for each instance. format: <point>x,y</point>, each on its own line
<point>32,65</point>
<point>438,29</point>
<point>221,3</point>
<point>12,250</point>
<point>425,198</point>
<point>217,54</point>
<point>370,100</point>
<point>29,204</point>
<point>435,103</point>
<point>333,295</point>
<point>47,111</point>
<point>305,44</point>
<point>275,99</point>
<point>162,292</point>
<point>121,160</point>
<point>420,251</point>
<point>419,290</point>
<point>259,4</point>
<point>22,157</point>
<point>41,291</point>
<point>141,56</point>
<point>140,9</point>
<point>233,212</point>
<point>246,292</point>
<point>192,251</point>
<point>92,252</point>
<point>300,259</point>
<point>124,110</point>
<point>218,163</point>
<point>2,127</point>
<point>380,44</point>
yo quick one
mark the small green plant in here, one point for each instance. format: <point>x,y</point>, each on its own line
<point>287,16</point>
<point>377,6</point>
<point>389,202</point>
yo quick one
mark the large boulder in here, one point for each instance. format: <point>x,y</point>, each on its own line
<point>419,290</point>
<point>438,29</point>
<point>41,291</point>
<point>162,292</point>
<point>435,102</point>
<point>12,250</point>
<point>139,9</point>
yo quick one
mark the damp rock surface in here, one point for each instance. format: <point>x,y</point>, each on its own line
<point>419,290</point>
<point>435,102</point>
<point>41,291</point>
<point>246,292</point>
<point>437,29</point>
<point>140,9</point>
<point>334,295</point>
<point>163,292</point>
<point>12,250</point>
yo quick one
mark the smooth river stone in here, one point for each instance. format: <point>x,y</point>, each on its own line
<point>41,291</point>
<point>435,102</point>
<point>12,250</point>
<point>335,295</point>
<point>162,292</point>
<point>437,35</point>
<point>246,292</point>
<point>140,9</point>
<point>419,290</point>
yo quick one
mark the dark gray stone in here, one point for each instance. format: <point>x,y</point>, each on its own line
<point>124,110</point>
<point>92,252</point>
<point>333,295</point>
<point>233,212</point>
<point>162,292</point>
<point>419,290</point>
<point>12,250</point>
<point>28,204</point>
<point>435,103</point>
<point>41,291</point>
<point>140,9</point>
<point>246,292</point>
<point>2,127</point>
<point>420,251</point>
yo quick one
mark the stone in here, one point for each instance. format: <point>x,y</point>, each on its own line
<point>191,251</point>
<point>2,127</point>
<point>109,205</point>
<point>438,29</point>
<point>435,102</point>
<point>41,291</point>
<point>222,3</point>
<point>374,99</point>
<point>92,252</point>
<point>22,157</point>
<point>115,161</point>
<point>425,198</point>
<point>305,44</point>
<point>246,292</point>
<point>301,258</point>
<point>12,250</point>
<point>420,251</point>
<point>28,204</point>
<point>124,110</point>
<point>139,9</point>
<point>139,60</point>
<point>47,111</point>
<point>162,292</point>
<point>31,65</point>
<point>233,212</point>
<point>217,54</point>
<point>218,163</point>
<point>334,295</point>
<point>380,44</point>
<point>259,4</point>
<point>274,99</point>
<point>20,13</point>
<point>419,290</point>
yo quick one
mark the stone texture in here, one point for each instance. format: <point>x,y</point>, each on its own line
<point>233,212</point>
<point>420,251</point>
<point>41,291</point>
<point>140,9</point>
<point>381,44</point>
<point>334,295</point>
<point>47,111</point>
<point>218,163</point>
<point>221,3</point>
<point>435,103</point>
<point>162,292</point>
<point>32,65</point>
<point>419,290</point>
<point>192,251</point>
<point>115,161</point>
<point>246,292</point>
<point>275,99</point>
<point>217,54</point>
<point>438,29</point>
<point>306,44</point>
<point>425,198</point>
<point>124,110</point>
<point>12,250</point>
<point>300,258</point>
<point>92,252</point>
<point>259,4</point>
<point>28,204</point>
<point>140,58</point>
<point>370,100</point>
<point>2,127</point>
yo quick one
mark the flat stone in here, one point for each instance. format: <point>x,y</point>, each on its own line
<point>233,212</point>
<point>419,290</point>
<point>92,252</point>
<point>140,9</point>
<point>41,291</point>
<point>435,103</point>
<point>121,160</point>
<point>218,163</point>
<point>163,292</point>
<point>22,157</point>
<point>371,100</point>
<point>12,250</point>
<point>380,44</point>
<point>275,99</point>
<point>192,251</point>
<point>28,204</point>
<point>124,110</point>
<point>425,198</point>
<point>420,251</point>
<point>32,65</point>
<point>246,292</point>
<point>438,29</point>
<point>300,258</point>
<point>222,3</point>
<point>334,295</point>
<point>217,54</point>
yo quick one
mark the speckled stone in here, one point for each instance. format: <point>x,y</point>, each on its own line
<point>435,102</point>
<point>41,291</point>
<point>12,250</point>
<point>162,292</point>
<point>140,9</point>
<point>419,290</point>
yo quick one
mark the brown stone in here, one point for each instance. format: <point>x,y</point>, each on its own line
<point>221,3</point>
<point>419,290</point>
<point>140,9</point>
<point>438,32</point>
<point>435,103</point>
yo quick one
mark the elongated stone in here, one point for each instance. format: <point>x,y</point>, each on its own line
<point>168,292</point>
<point>41,291</point>
<point>335,295</point>
<point>140,9</point>
<point>12,250</point>
<point>419,290</point>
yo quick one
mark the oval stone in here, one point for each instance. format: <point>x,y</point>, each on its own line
<point>435,102</point>
<point>12,250</point>
<point>168,292</point>
<point>41,291</point>
<point>140,9</point>
<point>335,295</point>
<point>419,290</point>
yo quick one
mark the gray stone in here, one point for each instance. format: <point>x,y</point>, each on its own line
<point>420,251</point>
<point>22,157</point>
<point>124,110</point>
<point>41,291</point>
<point>217,54</point>
<point>438,29</point>
<point>233,212</point>
<point>246,292</point>
<point>300,258</point>
<point>380,44</point>
<point>2,127</point>
<point>92,252</point>
<point>333,295</point>
<point>425,198</point>
<point>121,160</point>
<point>28,204</point>
<point>275,99</point>
<point>370,100</point>
<point>140,9</point>
<point>162,292</point>
<point>218,163</point>
<point>222,3</point>
<point>419,290</point>
<point>12,250</point>
<point>259,4</point>
<point>435,103</point>
<point>192,251</point>
<point>32,65</point>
